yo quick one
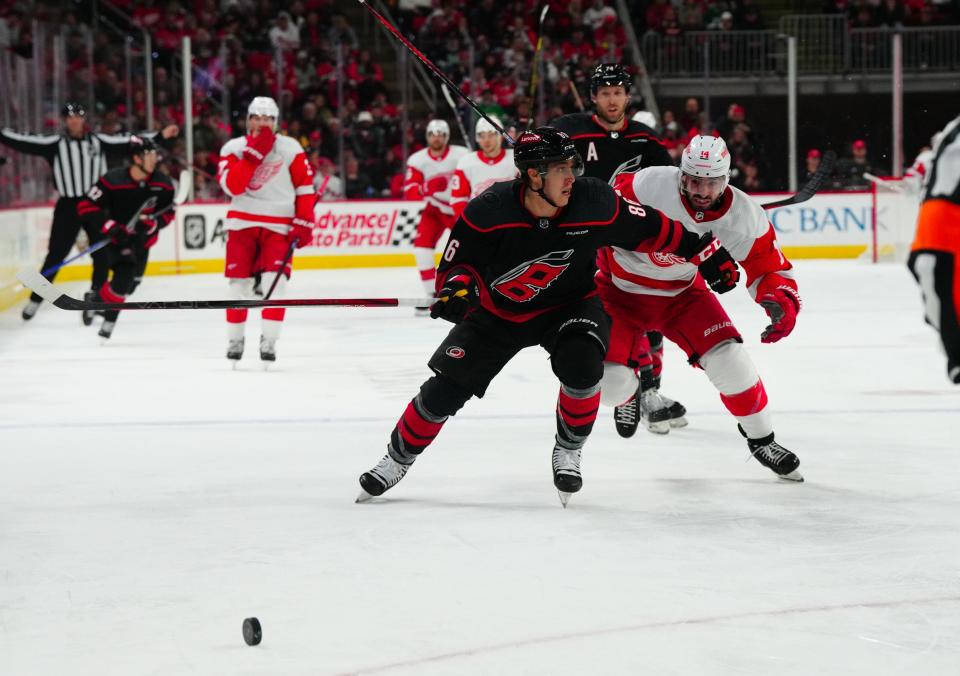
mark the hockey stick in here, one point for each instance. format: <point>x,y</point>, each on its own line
<point>456,115</point>
<point>38,283</point>
<point>429,64</point>
<point>283,266</point>
<point>812,186</point>
<point>576,96</point>
<point>535,71</point>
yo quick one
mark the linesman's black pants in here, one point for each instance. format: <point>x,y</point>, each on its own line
<point>63,235</point>
<point>937,274</point>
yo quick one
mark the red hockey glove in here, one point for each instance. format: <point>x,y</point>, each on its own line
<point>715,264</point>
<point>301,232</point>
<point>259,146</point>
<point>117,232</point>
<point>781,305</point>
<point>458,296</point>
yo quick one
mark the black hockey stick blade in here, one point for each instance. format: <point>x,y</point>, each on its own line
<point>812,186</point>
<point>38,283</point>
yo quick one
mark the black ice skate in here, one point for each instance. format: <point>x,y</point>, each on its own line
<point>677,412</point>
<point>772,455</point>
<point>268,350</point>
<point>30,309</point>
<point>566,471</point>
<point>106,330</point>
<point>626,417</point>
<point>235,350</point>
<point>87,315</point>
<point>383,477</point>
<point>654,412</point>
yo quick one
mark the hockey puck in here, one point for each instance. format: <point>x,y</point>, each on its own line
<point>251,631</point>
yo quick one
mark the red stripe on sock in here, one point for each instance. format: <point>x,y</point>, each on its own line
<point>416,423</point>
<point>578,412</point>
<point>428,274</point>
<point>108,295</point>
<point>274,313</point>
<point>748,402</point>
<point>236,315</point>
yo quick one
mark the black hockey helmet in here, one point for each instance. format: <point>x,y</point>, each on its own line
<point>140,145</point>
<point>609,75</point>
<point>73,108</point>
<point>537,148</point>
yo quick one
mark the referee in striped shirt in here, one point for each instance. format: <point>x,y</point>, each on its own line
<point>78,160</point>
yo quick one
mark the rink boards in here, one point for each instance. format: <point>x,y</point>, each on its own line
<point>378,233</point>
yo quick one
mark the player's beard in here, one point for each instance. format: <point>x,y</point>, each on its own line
<point>604,115</point>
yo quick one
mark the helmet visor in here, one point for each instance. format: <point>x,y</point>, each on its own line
<point>703,185</point>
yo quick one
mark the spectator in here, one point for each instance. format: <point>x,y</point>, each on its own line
<point>691,14</point>
<point>747,16</point>
<point>690,120</point>
<point>342,33</point>
<point>358,184</point>
<point>850,170</point>
<point>327,183</point>
<point>284,35</point>
<point>736,115</point>
<point>673,141</point>
<point>811,165</point>
<point>598,12</point>
<point>654,14</point>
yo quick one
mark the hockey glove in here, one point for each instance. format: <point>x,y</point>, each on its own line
<point>781,305</point>
<point>458,296</point>
<point>259,146</point>
<point>117,232</point>
<point>715,264</point>
<point>151,231</point>
<point>301,232</point>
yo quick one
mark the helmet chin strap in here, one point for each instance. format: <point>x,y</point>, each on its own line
<point>543,195</point>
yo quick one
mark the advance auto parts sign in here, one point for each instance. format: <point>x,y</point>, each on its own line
<point>353,227</point>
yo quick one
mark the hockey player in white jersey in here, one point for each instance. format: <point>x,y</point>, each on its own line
<point>478,171</point>
<point>429,174</point>
<point>270,182</point>
<point>656,292</point>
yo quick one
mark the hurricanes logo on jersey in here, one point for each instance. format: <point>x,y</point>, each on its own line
<point>263,174</point>
<point>527,280</point>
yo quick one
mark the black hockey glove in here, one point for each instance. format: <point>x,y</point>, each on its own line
<point>458,296</point>
<point>715,264</point>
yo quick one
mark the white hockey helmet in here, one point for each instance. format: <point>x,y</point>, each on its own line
<point>645,117</point>
<point>264,105</point>
<point>706,157</point>
<point>438,127</point>
<point>484,127</point>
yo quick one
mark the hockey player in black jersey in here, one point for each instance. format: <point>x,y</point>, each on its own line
<point>129,205</point>
<point>517,272</point>
<point>607,140</point>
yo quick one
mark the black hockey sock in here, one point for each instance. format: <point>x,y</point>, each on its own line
<point>576,413</point>
<point>415,430</point>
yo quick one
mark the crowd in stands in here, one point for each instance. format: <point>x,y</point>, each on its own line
<point>290,50</point>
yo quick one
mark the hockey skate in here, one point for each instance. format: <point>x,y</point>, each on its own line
<point>626,416</point>
<point>775,457</point>
<point>566,471</point>
<point>677,412</point>
<point>106,330</point>
<point>268,350</point>
<point>383,477</point>
<point>654,412</point>
<point>87,316</point>
<point>30,309</point>
<point>235,350</point>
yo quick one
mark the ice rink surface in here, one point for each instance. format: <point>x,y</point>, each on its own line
<point>151,499</point>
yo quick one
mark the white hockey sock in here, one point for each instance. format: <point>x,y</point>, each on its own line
<point>239,289</point>
<point>732,372</point>
<point>271,329</point>
<point>618,384</point>
<point>427,268</point>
